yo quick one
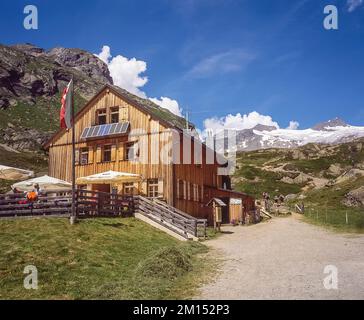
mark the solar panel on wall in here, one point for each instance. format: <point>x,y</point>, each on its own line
<point>105,130</point>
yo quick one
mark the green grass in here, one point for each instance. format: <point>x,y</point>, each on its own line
<point>97,258</point>
<point>5,185</point>
<point>256,158</point>
<point>325,207</point>
<point>37,162</point>
<point>336,218</point>
<point>268,182</point>
<point>43,116</point>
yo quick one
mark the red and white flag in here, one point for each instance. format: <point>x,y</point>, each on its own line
<point>66,106</point>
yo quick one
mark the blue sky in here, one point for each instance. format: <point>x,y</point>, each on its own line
<point>219,57</point>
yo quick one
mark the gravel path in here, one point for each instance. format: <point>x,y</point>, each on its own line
<point>285,258</point>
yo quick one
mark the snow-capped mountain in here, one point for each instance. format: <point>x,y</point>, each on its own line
<point>334,131</point>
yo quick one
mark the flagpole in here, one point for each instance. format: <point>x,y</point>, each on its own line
<point>73,214</point>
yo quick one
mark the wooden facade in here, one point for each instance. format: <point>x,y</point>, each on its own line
<point>188,187</point>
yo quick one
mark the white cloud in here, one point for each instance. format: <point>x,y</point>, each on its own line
<point>168,103</point>
<point>225,62</point>
<point>239,122</point>
<point>126,73</point>
<point>354,4</point>
<point>293,125</point>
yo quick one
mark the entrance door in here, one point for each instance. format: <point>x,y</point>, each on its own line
<point>225,211</point>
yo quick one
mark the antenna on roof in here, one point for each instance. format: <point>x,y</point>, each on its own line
<point>187,123</point>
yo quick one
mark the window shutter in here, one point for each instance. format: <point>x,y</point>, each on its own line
<point>77,156</point>
<point>121,151</point>
<point>98,154</point>
<point>177,191</point>
<point>113,152</point>
<point>160,187</point>
<point>184,190</point>
<point>123,114</point>
<point>90,155</point>
<point>136,188</point>
<point>144,186</point>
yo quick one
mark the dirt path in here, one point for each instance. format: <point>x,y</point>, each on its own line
<point>285,259</point>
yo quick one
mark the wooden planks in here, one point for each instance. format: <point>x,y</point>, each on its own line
<point>170,216</point>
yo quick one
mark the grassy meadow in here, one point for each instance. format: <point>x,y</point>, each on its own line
<point>104,258</point>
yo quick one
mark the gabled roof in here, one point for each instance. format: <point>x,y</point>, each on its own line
<point>163,115</point>
<point>152,108</point>
<point>218,201</point>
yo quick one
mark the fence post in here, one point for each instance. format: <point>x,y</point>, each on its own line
<point>76,202</point>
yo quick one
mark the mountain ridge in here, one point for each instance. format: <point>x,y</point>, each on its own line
<point>334,131</point>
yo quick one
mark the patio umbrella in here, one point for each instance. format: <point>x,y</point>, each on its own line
<point>46,183</point>
<point>109,177</point>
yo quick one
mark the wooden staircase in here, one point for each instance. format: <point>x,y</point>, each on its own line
<point>173,221</point>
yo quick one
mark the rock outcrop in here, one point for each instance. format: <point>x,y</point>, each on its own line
<point>355,198</point>
<point>31,79</point>
<point>28,72</point>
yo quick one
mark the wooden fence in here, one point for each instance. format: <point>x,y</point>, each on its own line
<point>88,204</point>
<point>101,204</point>
<point>13,205</point>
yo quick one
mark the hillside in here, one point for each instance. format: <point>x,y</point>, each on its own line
<point>328,179</point>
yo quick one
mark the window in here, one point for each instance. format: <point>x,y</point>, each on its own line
<point>130,151</point>
<point>114,117</point>
<point>213,180</point>
<point>201,193</point>
<point>128,188</point>
<point>107,153</point>
<point>101,116</point>
<point>153,188</point>
<point>188,191</point>
<point>195,192</point>
<point>84,156</point>
<point>180,189</point>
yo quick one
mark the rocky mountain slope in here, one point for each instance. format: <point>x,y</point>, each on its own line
<point>334,131</point>
<point>31,80</point>
<point>327,178</point>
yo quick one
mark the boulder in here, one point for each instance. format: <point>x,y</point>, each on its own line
<point>335,169</point>
<point>299,179</point>
<point>355,198</point>
<point>290,197</point>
